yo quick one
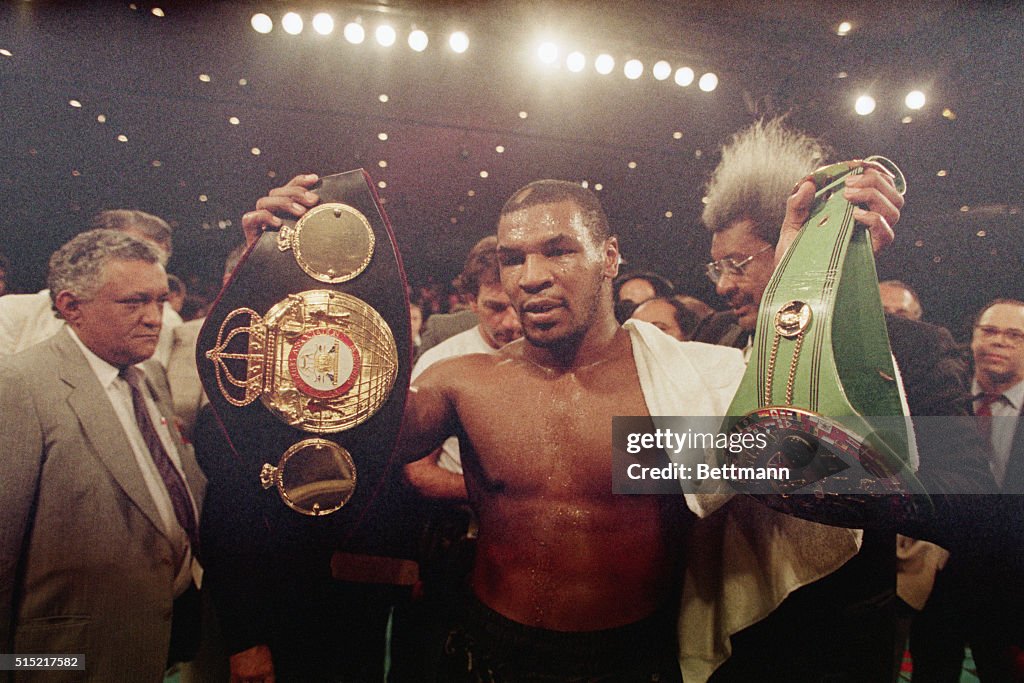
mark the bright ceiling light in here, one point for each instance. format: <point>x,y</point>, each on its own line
<point>633,69</point>
<point>354,33</point>
<point>385,35</point>
<point>662,70</point>
<point>844,28</point>
<point>292,23</point>
<point>458,42</point>
<point>418,40</point>
<point>261,23</point>
<point>684,76</point>
<point>548,52</point>
<point>915,99</point>
<point>323,24</point>
<point>575,62</point>
<point>864,105</point>
<point>604,64</point>
<point>708,82</point>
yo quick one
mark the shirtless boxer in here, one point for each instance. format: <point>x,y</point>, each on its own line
<point>570,581</point>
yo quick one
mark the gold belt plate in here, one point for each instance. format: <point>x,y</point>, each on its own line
<point>321,361</point>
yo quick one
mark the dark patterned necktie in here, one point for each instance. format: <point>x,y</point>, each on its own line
<point>176,489</point>
<point>984,412</point>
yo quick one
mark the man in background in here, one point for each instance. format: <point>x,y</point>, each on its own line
<point>182,373</point>
<point>898,298</point>
<point>978,601</point>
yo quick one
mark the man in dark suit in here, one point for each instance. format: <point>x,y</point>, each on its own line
<point>846,624</point>
<point>979,599</point>
<point>100,497</point>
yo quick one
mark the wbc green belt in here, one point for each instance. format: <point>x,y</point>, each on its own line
<point>821,393</point>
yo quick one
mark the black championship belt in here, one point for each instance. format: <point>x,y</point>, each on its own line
<point>306,353</point>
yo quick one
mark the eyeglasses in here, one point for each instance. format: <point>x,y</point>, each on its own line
<point>1014,336</point>
<point>730,266</point>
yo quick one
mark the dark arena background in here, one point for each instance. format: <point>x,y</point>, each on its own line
<point>189,111</point>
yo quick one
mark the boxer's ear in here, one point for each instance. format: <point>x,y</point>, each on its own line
<point>611,258</point>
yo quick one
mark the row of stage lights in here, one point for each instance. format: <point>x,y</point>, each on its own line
<point>354,32</point>
<point>385,34</point>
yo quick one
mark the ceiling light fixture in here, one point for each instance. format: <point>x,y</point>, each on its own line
<point>385,35</point>
<point>633,69</point>
<point>684,76</point>
<point>323,23</point>
<point>548,52</point>
<point>261,23</point>
<point>915,99</point>
<point>354,33</point>
<point>575,62</point>
<point>864,105</point>
<point>458,42</point>
<point>708,82</point>
<point>418,40</point>
<point>292,23</point>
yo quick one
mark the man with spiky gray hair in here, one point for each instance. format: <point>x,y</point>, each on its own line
<point>845,617</point>
<point>100,496</point>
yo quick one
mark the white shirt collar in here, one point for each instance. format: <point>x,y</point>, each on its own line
<point>1014,395</point>
<point>104,371</point>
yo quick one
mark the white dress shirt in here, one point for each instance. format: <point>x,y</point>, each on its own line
<point>120,395</point>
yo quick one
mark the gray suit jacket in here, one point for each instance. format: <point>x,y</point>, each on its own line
<point>85,566</point>
<point>183,375</point>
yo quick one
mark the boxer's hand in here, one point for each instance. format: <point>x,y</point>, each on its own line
<point>291,201</point>
<point>877,206</point>
<point>254,665</point>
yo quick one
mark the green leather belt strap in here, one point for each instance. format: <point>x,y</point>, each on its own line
<point>821,386</point>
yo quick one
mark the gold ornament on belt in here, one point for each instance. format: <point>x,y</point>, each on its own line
<point>321,361</point>
<point>791,321</point>
<point>331,242</point>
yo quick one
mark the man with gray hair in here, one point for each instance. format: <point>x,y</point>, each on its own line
<point>100,497</point>
<point>845,618</point>
<point>27,319</point>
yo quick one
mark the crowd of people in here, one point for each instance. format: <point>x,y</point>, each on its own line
<point>132,535</point>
